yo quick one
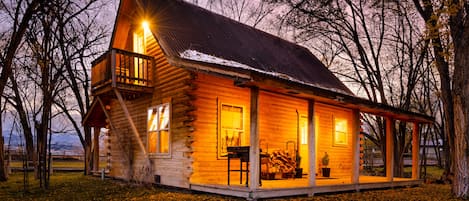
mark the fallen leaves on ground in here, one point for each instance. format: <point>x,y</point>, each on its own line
<point>76,186</point>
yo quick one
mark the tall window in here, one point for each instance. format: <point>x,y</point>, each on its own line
<point>340,131</point>
<point>231,126</point>
<point>303,129</point>
<point>139,47</point>
<point>158,129</point>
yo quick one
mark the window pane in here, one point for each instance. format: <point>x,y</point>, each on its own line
<point>238,118</point>
<point>152,120</point>
<point>304,130</point>
<point>340,127</point>
<point>152,138</point>
<point>164,117</point>
<point>164,142</point>
<point>232,117</point>
<point>231,131</point>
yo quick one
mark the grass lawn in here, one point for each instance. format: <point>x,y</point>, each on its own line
<point>75,186</point>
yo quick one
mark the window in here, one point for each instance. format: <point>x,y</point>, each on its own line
<point>158,129</point>
<point>139,64</point>
<point>231,124</point>
<point>340,132</point>
<point>304,129</point>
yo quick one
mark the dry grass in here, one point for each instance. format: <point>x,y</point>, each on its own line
<point>75,186</point>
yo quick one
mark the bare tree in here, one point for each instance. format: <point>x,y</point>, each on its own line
<point>20,20</point>
<point>78,33</point>
<point>251,12</point>
<point>447,23</point>
<point>377,50</point>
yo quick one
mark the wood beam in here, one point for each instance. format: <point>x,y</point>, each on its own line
<point>389,148</point>
<point>96,132</point>
<point>355,146</point>
<point>311,144</point>
<point>254,159</point>
<point>415,151</point>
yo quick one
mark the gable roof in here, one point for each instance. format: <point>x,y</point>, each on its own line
<point>190,33</point>
<point>193,37</point>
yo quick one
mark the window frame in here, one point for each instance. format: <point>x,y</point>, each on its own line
<point>220,153</point>
<point>158,154</point>
<point>335,132</point>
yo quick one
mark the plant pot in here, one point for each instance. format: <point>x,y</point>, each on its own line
<point>298,172</point>
<point>326,172</point>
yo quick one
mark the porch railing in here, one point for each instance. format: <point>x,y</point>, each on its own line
<point>121,67</point>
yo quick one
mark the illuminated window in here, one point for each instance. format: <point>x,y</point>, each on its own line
<point>340,131</point>
<point>304,130</point>
<point>231,124</point>
<point>158,129</point>
<point>139,46</point>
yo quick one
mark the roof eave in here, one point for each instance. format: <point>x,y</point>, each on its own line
<point>250,78</point>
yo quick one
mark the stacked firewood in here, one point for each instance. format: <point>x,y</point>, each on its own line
<point>283,161</point>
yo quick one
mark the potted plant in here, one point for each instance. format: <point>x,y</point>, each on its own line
<point>326,171</point>
<point>298,170</point>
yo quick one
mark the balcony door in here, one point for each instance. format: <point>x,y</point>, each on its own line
<point>139,65</point>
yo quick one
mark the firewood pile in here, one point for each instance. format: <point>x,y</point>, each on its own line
<point>283,161</point>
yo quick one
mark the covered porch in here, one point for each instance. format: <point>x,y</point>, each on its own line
<point>307,127</point>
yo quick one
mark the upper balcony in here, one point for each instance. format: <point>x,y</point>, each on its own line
<point>128,72</point>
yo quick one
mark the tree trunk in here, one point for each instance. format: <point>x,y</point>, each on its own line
<point>88,154</point>
<point>3,173</point>
<point>461,111</point>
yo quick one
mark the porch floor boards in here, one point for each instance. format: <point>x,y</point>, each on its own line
<point>292,187</point>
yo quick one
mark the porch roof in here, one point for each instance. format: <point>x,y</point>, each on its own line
<point>95,116</point>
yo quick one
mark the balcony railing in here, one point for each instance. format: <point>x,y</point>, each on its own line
<point>120,68</point>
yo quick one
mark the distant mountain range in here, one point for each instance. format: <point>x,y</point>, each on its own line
<point>64,143</point>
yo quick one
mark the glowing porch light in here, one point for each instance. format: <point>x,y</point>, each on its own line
<point>146,27</point>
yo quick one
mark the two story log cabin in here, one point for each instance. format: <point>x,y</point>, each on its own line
<point>195,100</point>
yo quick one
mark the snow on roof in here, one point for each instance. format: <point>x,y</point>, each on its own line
<point>195,55</point>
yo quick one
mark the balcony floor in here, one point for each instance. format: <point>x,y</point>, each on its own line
<point>127,90</point>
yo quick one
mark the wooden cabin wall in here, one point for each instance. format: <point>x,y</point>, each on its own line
<point>211,90</point>
<point>340,157</point>
<point>174,85</point>
<point>171,84</point>
<point>278,121</point>
<point>124,147</point>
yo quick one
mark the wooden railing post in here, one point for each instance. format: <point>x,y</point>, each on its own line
<point>113,67</point>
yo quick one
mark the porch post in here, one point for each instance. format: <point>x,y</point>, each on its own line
<point>389,148</point>
<point>311,144</point>
<point>254,160</point>
<point>415,151</point>
<point>355,146</point>
<point>96,148</point>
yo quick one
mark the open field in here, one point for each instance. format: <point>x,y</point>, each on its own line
<point>76,186</point>
<point>60,164</point>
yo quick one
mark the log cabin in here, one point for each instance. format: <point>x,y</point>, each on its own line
<point>195,100</point>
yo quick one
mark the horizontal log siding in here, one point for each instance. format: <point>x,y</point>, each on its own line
<point>340,157</point>
<point>207,167</point>
<point>127,161</point>
<point>278,120</point>
<point>124,147</point>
